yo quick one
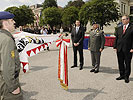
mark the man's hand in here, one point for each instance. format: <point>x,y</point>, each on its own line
<point>88,48</point>
<point>101,50</point>
<point>17,91</point>
<point>76,44</point>
<point>131,50</point>
<point>115,50</point>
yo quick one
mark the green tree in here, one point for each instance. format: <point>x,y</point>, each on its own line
<point>76,3</point>
<point>49,3</point>
<point>16,11</point>
<point>23,15</point>
<point>27,16</point>
<point>51,16</point>
<point>70,15</point>
<point>102,11</point>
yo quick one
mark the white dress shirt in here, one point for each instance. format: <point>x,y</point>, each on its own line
<point>126,26</point>
<point>77,29</point>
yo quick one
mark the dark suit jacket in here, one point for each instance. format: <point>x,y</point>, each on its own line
<point>77,37</point>
<point>124,41</point>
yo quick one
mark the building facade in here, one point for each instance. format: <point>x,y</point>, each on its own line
<point>37,12</point>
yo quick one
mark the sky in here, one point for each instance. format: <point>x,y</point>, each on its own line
<point>9,3</point>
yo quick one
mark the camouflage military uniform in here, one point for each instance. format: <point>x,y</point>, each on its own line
<point>9,67</point>
<point>96,42</point>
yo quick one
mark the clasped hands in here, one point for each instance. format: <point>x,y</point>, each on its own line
<point>76,44</point>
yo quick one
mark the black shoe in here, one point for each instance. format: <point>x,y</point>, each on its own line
<point>81,67</point>
<point>48,48</point>
<point>73,66</point>
<point>96,71</point>
<point>120,78</point>
<point>126,80</point>
<point>92,70</point>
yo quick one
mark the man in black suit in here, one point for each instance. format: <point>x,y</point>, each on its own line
<point>124,48</point>
<point>77,36</point>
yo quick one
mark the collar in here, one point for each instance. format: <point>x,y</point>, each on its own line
<point>77,26</point>
<point>4,31</point>
<point>126,26</point>
<point>7,33</point>
<point>95,30</point>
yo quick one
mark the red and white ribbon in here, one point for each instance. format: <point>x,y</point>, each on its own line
<point>62,63</point>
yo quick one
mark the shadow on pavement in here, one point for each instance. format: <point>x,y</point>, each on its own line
<point>131,79</point>
<point>28,95</point>
<point>37,68</point>
<point>102,69</point>
<point>91,96</point>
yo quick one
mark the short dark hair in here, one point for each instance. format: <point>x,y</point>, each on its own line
<point>1,25</point>
<point>77,20</point>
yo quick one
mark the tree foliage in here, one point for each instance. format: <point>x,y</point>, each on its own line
<point>70,15</point>
<point>23,15</point>
<point>49,3</point>
<point>76,3</point>
<point>51,16</point>
<point>16,11</point>
<point>102,11</point>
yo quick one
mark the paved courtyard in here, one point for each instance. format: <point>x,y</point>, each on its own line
<point>41,82</point>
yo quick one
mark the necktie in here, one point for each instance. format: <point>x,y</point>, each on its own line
<point>124,29</point>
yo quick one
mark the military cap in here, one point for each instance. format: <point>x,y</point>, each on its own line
<point>6,15</point>
<point>94,23</point>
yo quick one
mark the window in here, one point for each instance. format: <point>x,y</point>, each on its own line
<point>131,9</point>
<point>123,8</point>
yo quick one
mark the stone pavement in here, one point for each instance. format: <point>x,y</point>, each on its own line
<point>41,82</point>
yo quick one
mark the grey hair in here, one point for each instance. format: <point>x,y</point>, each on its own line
<point>127,16</point>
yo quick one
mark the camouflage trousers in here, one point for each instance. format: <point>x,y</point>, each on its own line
<point>6,95</point>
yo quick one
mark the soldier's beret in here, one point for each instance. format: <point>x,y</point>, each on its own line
<point>6,15</point>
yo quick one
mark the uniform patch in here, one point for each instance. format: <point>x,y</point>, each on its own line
<point>97,31</point>
<point>12,54</point>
